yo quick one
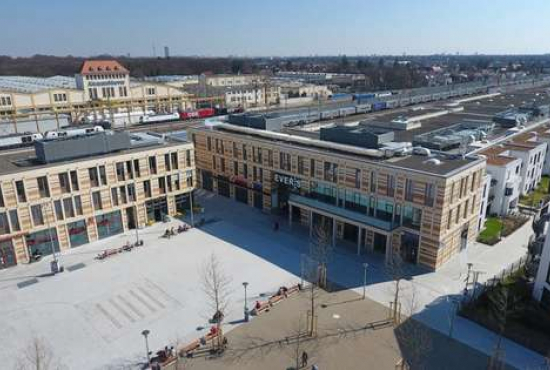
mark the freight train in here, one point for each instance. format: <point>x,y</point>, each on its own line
<point>28,139</point>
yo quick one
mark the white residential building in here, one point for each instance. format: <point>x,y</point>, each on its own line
<point>532,155</point>
<point>505,182</point>
<point>486,186</point>
<point>541,291</point>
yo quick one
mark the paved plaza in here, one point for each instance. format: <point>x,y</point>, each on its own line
<point>92,316</point>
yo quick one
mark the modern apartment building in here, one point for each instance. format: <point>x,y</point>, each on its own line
<point>66,194</point>
<point>541,290</point>
<point>425,207</point>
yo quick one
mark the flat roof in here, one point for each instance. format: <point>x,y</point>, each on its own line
<point>448,164</point>
<point>17,161</point>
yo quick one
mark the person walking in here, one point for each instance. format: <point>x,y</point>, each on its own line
<point>304,358</point>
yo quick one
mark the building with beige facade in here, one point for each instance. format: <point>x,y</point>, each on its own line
<point>423,207</point>
<point>101,89</point>
<point>76,197</point>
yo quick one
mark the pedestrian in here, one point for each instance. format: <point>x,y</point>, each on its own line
<point>304,358</point>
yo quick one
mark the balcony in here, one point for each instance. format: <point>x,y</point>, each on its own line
<point>342,213</point>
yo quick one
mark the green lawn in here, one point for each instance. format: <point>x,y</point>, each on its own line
<point>491,233</point>
<point>540,193</point>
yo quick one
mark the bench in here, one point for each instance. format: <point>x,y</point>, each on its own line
<point>183,352</point>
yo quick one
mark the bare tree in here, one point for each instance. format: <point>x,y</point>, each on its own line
<point>498,311</point>
<point>38,355</point>
<point>395,270</point>
<point>216,287</point>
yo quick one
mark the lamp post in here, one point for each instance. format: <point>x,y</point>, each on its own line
<point>145,334</point>
<point>365,266</point>
<point>245,285</point>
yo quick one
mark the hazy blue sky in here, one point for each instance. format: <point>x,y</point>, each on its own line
<point>276,27</point>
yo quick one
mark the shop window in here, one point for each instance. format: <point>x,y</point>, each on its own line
<point>42,243</point>
<point>109,224</point>
<point>77,233</point>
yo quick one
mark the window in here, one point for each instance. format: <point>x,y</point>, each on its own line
<point>169,182</point>
<point>20,190</point>
<point>412,217</point>
<point>64,182</point>
<point>4,225</point>
<point>122,194</point>
<point>114,196</point>
<point>466,208</point>
<point>301,161</point>
<point>129,169</point>
<point>209,143</point>
<point>284,161</point>
<point>137,171</point>
<point>458,213</point>
<point>450,219</point>
<point>94,179</point>
<point>74,180</point>
<point>147,188</point>
<point>235,150</point>
<point>132,192</point>
<point>270,158</point>
<point>58,210</point>
<point>188,158</point>
<point>312,167</point>
<point>153,165</point>
<point>409,186</point>
<point>222,164</point>
<point>14,220</point>
<point>331,172</point>
<point>391,186</point>
<point>245,170</point>
<point>174,158</point>
<point>236,168</point>
<point>78,205</point>
<point>473,185</point>
<point>37,216</point>
<point>213,162</point>
<point>463,183</point>
<point>1,198</point>
<point>429,195</point>
<point>43,188</point>
<point>96,200</point>
<point>357,180</point>
<point>120,175</point>
<point>245,155</point>
<point>372,181</point>
<point>167,162</point>
<point>162,185</point>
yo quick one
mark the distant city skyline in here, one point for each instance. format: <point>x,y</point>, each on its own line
<point>283,28</point>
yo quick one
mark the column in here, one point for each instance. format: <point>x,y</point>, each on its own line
<point>359,241</point>
<point>389,247</point>
<point>334,233</point>
<point>310,224</point>
<point>290,215</point>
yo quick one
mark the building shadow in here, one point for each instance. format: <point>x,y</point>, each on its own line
<point>253,231</point>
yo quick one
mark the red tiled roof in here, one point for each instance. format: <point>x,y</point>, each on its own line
<point>500,160</point>
<point>102,67</point>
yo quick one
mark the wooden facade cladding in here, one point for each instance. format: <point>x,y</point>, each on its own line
<point>64,195</point>
<point>431,193</point>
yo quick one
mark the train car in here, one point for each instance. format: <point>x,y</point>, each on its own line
<point>347,111</point>
<point>199,113</point>
<point>378,105</point>
<point>340,97</point>
<point>363,96</point>
<point>19,140</point>
<point>51,135</point>
<point>363,108</point>
<point>154,118</point>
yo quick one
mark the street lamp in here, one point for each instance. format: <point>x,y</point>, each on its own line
<point>145,334</point>
<point>245,284</point>
<point>365,266</point>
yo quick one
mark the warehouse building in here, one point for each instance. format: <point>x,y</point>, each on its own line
<point>423,207</point>
<point>77,190</point>
<point>102,89</point>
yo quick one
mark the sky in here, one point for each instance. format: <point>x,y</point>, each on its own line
<point>273,28</point>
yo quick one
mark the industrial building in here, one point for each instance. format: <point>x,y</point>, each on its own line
<point>102,89</point>
<point>69,192</point>
<point>424,207</point>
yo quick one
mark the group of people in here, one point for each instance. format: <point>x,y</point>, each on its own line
<point>172,232</point>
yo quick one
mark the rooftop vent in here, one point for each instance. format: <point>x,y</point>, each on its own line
<point>433,161</point>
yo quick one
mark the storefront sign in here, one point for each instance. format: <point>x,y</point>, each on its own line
<point>291,181</point>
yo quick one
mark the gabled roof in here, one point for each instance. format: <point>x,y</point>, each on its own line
<point>102,67</point>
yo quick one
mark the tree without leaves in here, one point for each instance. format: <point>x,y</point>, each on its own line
<point>216,287</point>
<point>38,355</point>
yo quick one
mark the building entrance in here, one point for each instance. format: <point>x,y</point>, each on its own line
<point>7,255</point>
<point>156,209</point>
<point>409,247</point>
<point>379,243</point>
